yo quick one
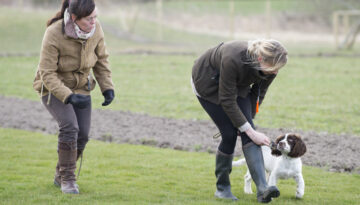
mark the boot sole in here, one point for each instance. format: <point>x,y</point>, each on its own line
<point>71,192</point>
<point>57,184</point>
<point>218,195</point>
<point>274,193</point>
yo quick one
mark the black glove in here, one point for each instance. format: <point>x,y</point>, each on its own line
<point>79,101</point>
<point>109,96</point>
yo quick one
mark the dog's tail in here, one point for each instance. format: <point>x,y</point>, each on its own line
<point>238,162</point>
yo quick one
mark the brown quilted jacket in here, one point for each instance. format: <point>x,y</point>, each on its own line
<point>65,63</point>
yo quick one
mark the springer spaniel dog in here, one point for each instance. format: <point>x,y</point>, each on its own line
<point>282,161</point>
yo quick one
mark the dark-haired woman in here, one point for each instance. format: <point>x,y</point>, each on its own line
<point>72,46</point>
<point>230,81</point>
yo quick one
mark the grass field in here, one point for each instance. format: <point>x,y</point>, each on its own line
<point>315,93</point>
<point>132,174</point>
<point>309,93</point>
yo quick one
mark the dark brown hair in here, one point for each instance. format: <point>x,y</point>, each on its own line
<point>80,8</point>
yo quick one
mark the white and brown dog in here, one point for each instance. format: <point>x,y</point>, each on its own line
<point>281,162</point>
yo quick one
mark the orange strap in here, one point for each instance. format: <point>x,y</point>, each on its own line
<point>257,106</point>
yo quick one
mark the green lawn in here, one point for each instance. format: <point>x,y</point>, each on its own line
<point>309,93</point>
<point>318,94</point>
<point>133,174</point>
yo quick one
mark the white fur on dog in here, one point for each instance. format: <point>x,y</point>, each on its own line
<point>280,167</point>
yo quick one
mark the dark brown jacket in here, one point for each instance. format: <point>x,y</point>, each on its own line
<point>225,72</point>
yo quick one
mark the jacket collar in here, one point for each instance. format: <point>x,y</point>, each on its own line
<point>72,30</point>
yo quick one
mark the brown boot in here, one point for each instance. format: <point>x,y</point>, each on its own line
<point>67,167</point>
<point>57,177</point>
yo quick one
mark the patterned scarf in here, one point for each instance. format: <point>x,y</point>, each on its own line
<point>73,30</point>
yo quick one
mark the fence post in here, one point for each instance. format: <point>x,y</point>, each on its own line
<point>268,18</point>
<point>159,9</point>
<point>232,18</point>
<point>335,28</point>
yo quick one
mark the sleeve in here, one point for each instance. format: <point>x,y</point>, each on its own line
<point>101,69</point>
<point>228,92</point>
<point>259,90</point>
<point>49,56</point>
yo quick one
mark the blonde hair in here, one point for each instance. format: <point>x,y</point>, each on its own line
<point>271,51</point>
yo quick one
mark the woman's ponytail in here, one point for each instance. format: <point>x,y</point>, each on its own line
<point>60,14</point>
<point>254,48</point>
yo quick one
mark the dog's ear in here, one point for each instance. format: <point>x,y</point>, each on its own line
<point>279,138</point>
<point>299,148</point>
<point>276,152</point>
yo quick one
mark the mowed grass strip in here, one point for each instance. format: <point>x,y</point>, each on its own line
<point>134,174</point>
<point>309,93</point>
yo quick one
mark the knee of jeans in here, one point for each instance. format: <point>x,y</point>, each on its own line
<point>245,139</point>
<point>227,147</point>
<point>69,132</point>
<point>229,134</point>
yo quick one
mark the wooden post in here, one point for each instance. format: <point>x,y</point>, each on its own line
<point>346,22</point>
<point>268,19</point>
<point>336,28</point>
<point>159,9</point>
<point>232,18</point>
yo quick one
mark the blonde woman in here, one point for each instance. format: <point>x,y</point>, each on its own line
<point>230,82</point>
<point>72,46</point>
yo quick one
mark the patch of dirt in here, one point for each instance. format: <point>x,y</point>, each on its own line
<point>339,153</point>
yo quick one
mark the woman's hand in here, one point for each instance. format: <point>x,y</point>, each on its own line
<point>109,96</point>
<point>258,137</point>
<point>79,101</point>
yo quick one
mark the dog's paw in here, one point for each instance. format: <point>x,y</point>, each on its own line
<point>299,195</point>
<point>248,190</point>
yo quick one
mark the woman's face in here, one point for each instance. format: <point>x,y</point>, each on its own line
<point>87,23</point>
<point>265,71</point>
<point>264,66</point>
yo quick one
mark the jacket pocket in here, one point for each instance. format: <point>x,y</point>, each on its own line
<point>91,83</point>
<point>207,82</point>
<point>68,79</point>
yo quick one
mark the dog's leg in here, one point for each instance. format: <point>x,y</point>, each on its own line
<point>300,189</point>
<point>267,175</point>
<point>247,183</point>
<point>272,179</point>
<point>238,162</point>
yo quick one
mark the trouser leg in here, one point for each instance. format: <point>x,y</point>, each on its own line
<point>66,118</point>
<point>255,162</point>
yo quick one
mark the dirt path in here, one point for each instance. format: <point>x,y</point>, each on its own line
<point>333,152</point>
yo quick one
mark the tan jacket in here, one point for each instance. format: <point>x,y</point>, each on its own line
<point>65,63</point>
<point>224,73</point>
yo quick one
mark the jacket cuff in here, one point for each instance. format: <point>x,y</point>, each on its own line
<point>245,127</point>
